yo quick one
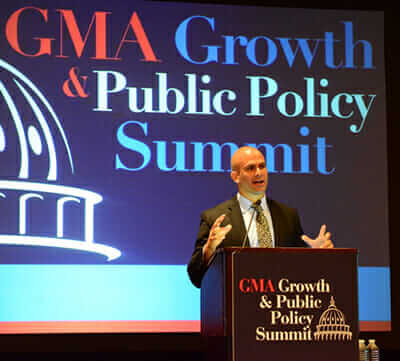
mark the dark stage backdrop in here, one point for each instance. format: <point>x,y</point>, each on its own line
<point>118,120</point>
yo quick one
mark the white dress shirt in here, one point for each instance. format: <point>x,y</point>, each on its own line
<point>247,213</point>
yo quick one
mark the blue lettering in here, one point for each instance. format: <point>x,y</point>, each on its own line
<point>298,104</point>
<point>291,47</point>
<point>161,147</point>
<point>181,41</point>
<point>350,44</point>
<point>134,145</point>
<point>280,158</point>
<point>321,156</point>
<point>304,152</point>
<point>272,51</point>
<point>271,155</point>
<point>230,48</point>
<point>216,155</point>
<point>330,52</point>
<point>302,44</point>
<point>256,95</point>
<point>335,105</point>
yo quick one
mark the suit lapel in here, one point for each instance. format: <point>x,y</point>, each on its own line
<point>238,231</point>
<point>275,222</point>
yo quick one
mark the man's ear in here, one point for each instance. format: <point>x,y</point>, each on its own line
<point>235,176</point>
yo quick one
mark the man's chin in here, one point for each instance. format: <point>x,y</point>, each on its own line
<point>259,188</point>
<point>259,192</point>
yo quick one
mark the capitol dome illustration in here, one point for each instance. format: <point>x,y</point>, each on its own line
<point>33,148</point>
<point>332,325</point>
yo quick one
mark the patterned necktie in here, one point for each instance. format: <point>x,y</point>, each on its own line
<point>263,231</point>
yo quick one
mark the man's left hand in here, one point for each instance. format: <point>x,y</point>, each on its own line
<point>323,239</point>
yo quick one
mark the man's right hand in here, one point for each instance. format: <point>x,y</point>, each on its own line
<point>216,236</point>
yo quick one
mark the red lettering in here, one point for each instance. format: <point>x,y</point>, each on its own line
<point>242,286</point>
<point>68,25</point>
<point>254,285</point>
<point>12,33</point>
<point>251,285</point>
<point>268,287</point>
<point>79,43</point>
<point>142,39</point>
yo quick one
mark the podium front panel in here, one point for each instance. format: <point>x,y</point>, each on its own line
<point>294,304</point>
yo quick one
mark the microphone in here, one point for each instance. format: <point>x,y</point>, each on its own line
<point>246,238</point>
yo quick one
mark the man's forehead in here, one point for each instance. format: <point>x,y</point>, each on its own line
<point>254,160</point>
<point>246,154</point>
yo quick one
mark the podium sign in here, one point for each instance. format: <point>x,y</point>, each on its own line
<point>288,304</point>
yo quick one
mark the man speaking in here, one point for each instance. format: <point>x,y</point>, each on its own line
<point>249,219</point>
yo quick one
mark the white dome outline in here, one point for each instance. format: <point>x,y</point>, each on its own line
<point>42,121</point>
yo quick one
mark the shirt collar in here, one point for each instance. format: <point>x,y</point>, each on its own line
<point>245,204</point>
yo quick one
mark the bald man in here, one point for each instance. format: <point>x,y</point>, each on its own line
<point>226,224</point>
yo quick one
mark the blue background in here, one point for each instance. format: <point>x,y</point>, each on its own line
<point>151,215</point>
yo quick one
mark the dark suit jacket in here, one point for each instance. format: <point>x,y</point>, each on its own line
<point>286,223</point>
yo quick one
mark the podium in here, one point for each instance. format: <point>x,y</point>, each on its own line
<point>286,304</point>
